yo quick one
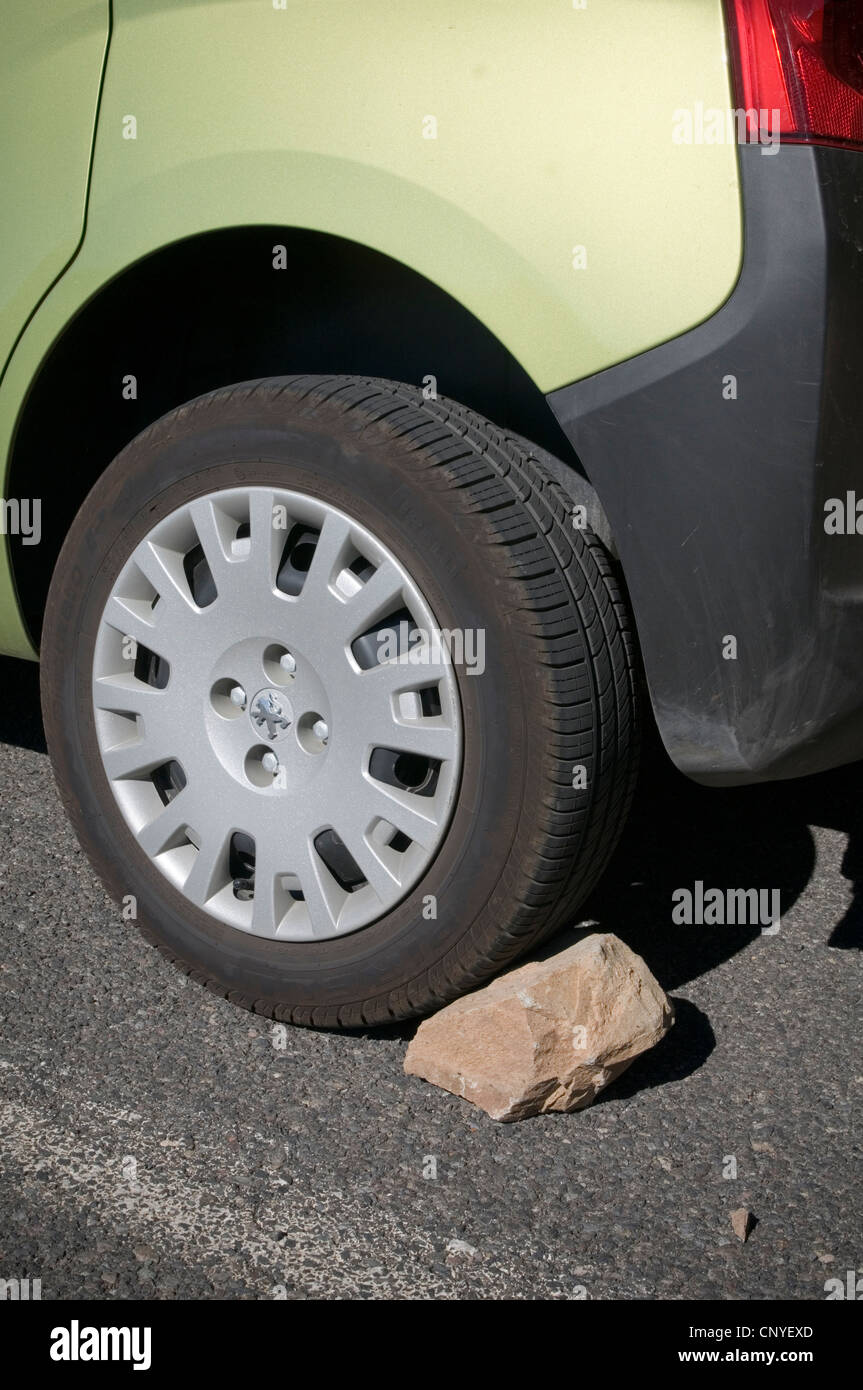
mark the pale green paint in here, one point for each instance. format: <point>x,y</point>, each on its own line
<point>51,58</point>
<point>554,130</point>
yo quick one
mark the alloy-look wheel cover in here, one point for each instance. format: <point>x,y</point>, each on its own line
<point>233,707</point>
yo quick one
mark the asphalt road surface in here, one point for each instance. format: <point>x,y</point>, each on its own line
<point>158,1142</point>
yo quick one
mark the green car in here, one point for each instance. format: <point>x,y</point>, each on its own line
<point>396,399</point>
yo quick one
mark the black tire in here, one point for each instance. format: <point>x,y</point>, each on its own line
<point>485,531</point>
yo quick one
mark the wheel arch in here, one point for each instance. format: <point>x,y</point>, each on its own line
<point>212,309</point>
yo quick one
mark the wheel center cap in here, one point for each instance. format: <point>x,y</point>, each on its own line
<point>270,714</point>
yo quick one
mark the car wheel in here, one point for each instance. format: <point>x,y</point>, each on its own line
<point>338,695</point>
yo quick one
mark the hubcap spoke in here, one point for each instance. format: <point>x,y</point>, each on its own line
<point>265,539</point>
<point>130,620</point>
<point>382,881</point>
<point>332,543</point>
<point>318,890</point>
<point>382,593</point>
<point>399,808</point>
<point>133,758</point>
<point>205,519</point>
<point>429,740</point>
<point>164,570</point>
<point>126,695</point>
<point>209,871</point>
<point>392,677</point>
<point>156,835</point>
<point>265,915</point>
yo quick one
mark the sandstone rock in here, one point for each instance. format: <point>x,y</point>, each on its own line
<point>741,1223</point>
<point>547,1036</point>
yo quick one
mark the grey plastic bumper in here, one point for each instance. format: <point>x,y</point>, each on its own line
<point>713,456</point>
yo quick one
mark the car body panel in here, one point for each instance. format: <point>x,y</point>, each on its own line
<point>51,63</point>
<point>554,131</point>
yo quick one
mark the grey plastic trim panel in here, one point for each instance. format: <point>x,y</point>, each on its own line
<point>716,502</point>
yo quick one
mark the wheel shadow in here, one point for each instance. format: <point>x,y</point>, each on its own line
<point>20,710</point>
<point>681,1052</point>
<point>746,837</point>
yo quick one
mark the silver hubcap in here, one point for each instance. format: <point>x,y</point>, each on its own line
<point>277,722</point>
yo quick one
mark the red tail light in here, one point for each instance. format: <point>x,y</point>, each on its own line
<point>804,59</point>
